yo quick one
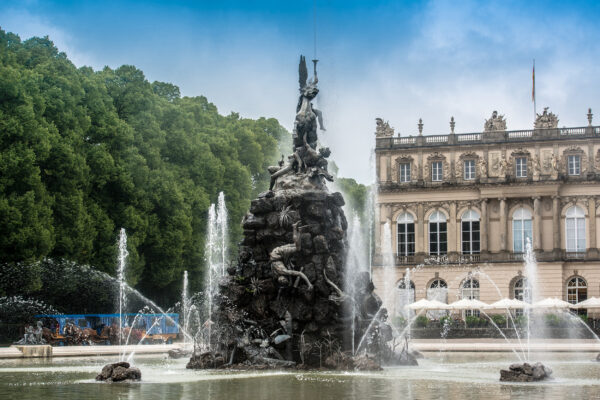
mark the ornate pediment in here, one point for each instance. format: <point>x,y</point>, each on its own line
<point>546,120</point>
<point>469,156</point>
<point>404,158</point>
<point>520,152</point>
<point>437,156</point>
<point>573,150</point>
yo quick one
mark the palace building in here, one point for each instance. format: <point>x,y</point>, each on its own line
<point>458,211</point>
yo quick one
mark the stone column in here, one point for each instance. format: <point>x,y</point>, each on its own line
<point>593,248</point>
<point>452,227</point>
<point>420,231</point>
<point>483,226</point>
<point>503,222</point>
<point>388,161</point>
<point>556,224</point>
<point>537,218</point>
<point>378,228</point>
<point>378,167</point>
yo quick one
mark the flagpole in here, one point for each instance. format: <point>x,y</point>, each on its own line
<point>533,93</point>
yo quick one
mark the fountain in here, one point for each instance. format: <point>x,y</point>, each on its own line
<point>122,259</point>
<point>216,260</point>
<point>185,305</point>
<point>526,372</point>
<point>283,305</point>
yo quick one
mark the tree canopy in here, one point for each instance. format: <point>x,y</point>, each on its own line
<point>84,153</point>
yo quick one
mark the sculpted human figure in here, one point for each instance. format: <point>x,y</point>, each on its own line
<point>495,123</point>
<point>280,170</point>
<point>536,167</point>
<point>39,331</point>
<point>554,162</point>
<point>482,168</point>
<point>282,253</point>
<point>503,166</point>
<point>307,117</point>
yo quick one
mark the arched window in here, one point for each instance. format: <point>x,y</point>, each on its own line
<point>575,229</point>
<point>470,232</point>
<point>406,235</point>
<point>402,285</point>
<point>437,290</point>
<point>470,290</point>
<point>521,229</point>
<point>576,290</point>
<point>521,290</point>
<point>438,284</point>
<point>438,234</point>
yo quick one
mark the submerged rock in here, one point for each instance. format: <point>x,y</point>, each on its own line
<point>179,353</point>
<point>344,361</point>
<point>525,373</point>
<point>119,372</point>
<point>206,360</point>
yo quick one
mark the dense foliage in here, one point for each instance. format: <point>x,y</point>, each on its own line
<point>84,153</point>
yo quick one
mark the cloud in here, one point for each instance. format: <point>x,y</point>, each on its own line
<point>27,25</point>
<point>466,61</point>
<point>428,60</point>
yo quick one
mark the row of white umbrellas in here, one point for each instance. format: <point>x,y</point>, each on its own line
<point>504,304</point>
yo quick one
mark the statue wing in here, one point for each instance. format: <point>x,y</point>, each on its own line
<point>303,72</point>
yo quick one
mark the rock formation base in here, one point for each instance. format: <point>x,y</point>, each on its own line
<point>525,373</point>
<point>119,372</point>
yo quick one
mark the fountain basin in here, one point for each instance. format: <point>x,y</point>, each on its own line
<point>35,350</point>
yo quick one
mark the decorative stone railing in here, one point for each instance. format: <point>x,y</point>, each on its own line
<point>486,137</point>
<point>470,259</point>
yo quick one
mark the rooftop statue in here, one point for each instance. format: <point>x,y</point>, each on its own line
<point>495,123</point>
<point>383,129</point>
<point>546,120</point>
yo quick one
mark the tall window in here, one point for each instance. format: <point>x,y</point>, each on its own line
<point>521,290</point>
<point>470,232</point>
<point>437,290</point>
<point>406,235</point>
<point>575,229</point>
<point>576,290</point>
<point>405,296</point>
<point>521,167</point>
<point>574,163</point>
<point>436,171</point>
<point>405,172</point>
<point>470,290</point>
<point>438,234</point>
<point>469,168</point>
<point>521,229</point>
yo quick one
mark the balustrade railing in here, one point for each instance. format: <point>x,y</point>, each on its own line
<point>468,137</point>
<point>517,136</point>
<point>436,139</point>
<point>455,258</point>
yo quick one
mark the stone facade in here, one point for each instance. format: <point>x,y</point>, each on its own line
<point>542,183</point>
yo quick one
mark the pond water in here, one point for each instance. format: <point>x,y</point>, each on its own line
<point>439,376</point>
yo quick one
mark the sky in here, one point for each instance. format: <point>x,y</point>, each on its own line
<point>398,60</point>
